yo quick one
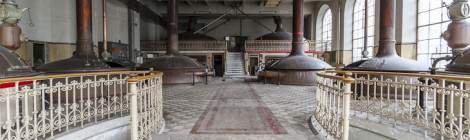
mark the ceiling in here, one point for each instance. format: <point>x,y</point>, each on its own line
<point>232,7</point>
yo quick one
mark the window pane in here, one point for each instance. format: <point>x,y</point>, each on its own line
<point>359,28</point>
<point>435,31</point>
<point>433,4</point>
<point>432,22</point>
<point>423,5</point>
<point>423,19</point>
<point>423,33</point>
<point>435,16</point>
<point>326,30</point>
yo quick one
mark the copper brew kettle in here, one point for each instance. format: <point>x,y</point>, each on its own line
<point>10,33</point>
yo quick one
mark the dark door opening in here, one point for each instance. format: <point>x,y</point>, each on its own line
<point>219,65</point>
<point>253,65</point>
<point>39,54</point>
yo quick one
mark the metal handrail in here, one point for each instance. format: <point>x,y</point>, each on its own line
<point>186,45</point>
<point>54,76</point>
<point>433,105</point>
<point>43,106</point>
<point>332,104</point>
<point>146,105</point>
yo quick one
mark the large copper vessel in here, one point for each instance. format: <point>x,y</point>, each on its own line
<point>387,58</point>
<point>84,58</point>
<point>297,68</point>
<point>11,65</point>
<point>458,36</point>
<point>10,35</point>
<point>176,67</point>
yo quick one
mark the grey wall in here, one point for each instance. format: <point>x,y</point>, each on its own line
<point>151,31</point>
<point>55,21</point>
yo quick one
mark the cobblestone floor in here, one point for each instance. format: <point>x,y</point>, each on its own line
<point>290,105</point>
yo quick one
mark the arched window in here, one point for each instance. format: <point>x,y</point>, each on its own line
<point>432,22</point>
<point>359,31</point>
<point>326,31</point>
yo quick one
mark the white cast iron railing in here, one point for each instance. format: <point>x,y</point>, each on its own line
<point>150,46</point>
<point>332,102</point>
<point>146,105</point>
<point>275,46</point>
<point>436,106</point>
<point>43,106</point>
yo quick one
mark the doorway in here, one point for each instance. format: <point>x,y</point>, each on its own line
<point>253,65</point>
<point>219,65</point>
<point>39,54</point>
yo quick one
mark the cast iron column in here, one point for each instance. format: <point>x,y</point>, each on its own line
<point>387,28</point>
<point>298,27</point>
<point>172,33</point>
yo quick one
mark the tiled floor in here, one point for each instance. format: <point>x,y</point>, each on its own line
<point>290,106</point>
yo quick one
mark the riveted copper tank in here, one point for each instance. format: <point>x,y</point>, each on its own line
<point>458,37</point>
<point>297,68</point>
<point>10,36</point>
<point>278,34</point>
<point>387,58</point>
<point>11,65</point>
<point>84,58</point>
<point>190,35</point>
<point>176,67</point>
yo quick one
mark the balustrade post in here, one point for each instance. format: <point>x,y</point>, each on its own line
<point>133,111</point>
<point>346,105</point>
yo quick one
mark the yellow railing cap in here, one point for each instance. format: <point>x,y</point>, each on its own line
<point>418,75</point>
<point>153,74</point>
<point>56,76</point>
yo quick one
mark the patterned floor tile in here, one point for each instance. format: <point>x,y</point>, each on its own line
<point>184,104</point>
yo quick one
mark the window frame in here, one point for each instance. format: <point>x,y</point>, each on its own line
<point>371,16</point>
<point>326,43</point>
<point>433,47</point>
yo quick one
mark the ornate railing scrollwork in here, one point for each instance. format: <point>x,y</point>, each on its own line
<point>332,102</point>
<point>43,106</point>
<point>146,105</point>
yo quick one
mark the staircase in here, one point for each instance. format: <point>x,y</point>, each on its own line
<point>235,67</point>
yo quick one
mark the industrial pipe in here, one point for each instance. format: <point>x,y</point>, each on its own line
<point>84,29</point>
<point>84,58</point>
<point>298,27</point>
<point>387,29</point>
<point>105,54</point>
<point>172,33</point>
